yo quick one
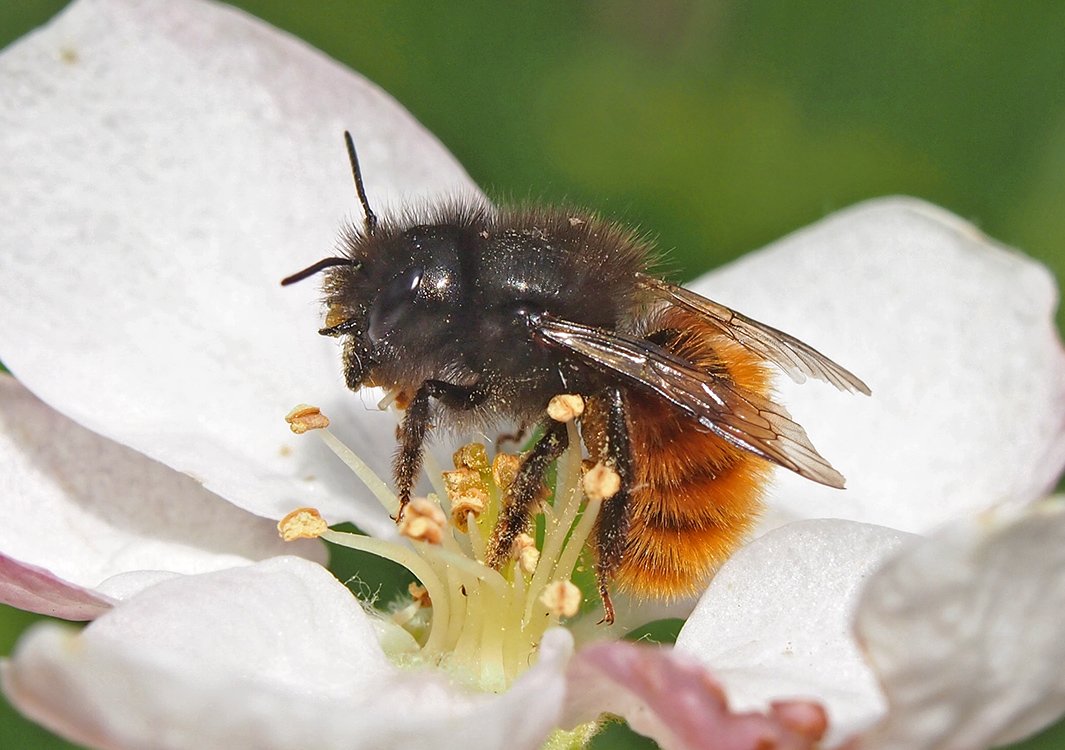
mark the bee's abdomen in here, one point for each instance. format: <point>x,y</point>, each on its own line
<point>695,497</point>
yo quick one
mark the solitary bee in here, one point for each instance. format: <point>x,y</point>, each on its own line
<point>480,315</point>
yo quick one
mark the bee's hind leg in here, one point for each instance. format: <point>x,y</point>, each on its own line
<point>524,490</point>
<point>611,446</point>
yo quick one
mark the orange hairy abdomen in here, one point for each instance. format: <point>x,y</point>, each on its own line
<point>695,496</point>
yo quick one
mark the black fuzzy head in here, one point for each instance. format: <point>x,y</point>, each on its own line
<point>450,294</point>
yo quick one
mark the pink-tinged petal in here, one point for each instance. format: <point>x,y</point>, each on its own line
<point>954,334</point>
<point>964,631</point>
<point>679,703</point>
<point>275,656</point>
<point>775,623</point>
<point>165,165</point>
<point>86,509</point>
<point>36,590</point>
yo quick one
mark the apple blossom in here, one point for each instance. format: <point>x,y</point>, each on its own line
<point>165,165</point>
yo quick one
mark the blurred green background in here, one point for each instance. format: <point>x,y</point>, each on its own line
<point>717,125</point>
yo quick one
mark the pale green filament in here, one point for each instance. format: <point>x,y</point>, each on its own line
<point>485,623</point>
<point>380,490</point>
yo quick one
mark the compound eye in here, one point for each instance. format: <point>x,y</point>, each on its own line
<point>393,303</point>
<point>526,311</point>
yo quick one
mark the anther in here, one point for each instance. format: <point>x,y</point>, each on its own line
<point>562,598</point>
<point>464,505</point>
<point>565,407</point>
<point>302,523</point>
<point>419,594</point>
<point>305,417</point>
<point>471,456</point>
<point>525,551</point>
<point>423,521</point>
<point>601,482</point>
<point>505,469</point>
<point>466,488</point>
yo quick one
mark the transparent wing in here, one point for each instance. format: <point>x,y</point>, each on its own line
<point>744,419</point>
<point>797,359</point>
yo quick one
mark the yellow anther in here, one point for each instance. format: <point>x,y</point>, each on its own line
<point>505,469</point>
<point>302,523</point>
<point>525,551</point>
<point>601,482</point>
<point>419,594</point>
<point>304,417</point>
<point>565,407</point>
<point>471,456</point>
<point>562,598</point>
<point>423,521</point>
<point>473,502</point>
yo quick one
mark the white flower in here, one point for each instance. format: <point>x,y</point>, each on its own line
<point>165,165</point>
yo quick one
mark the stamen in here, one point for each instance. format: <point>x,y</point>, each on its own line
<point>302,523</point>
<point>419,594</point>
<point>601,482</point>
<point>304,417</point>
<point>565,407</point>
<point>472,456</point>
<point>415,564</point>
<point>562,598</point>
<point>467,491</point>
<point>423,521</point>
<point>373,483</point>
<point>526,553</point>
<point>466,509</point>
<point>505,469</point>
<point>473,620</point>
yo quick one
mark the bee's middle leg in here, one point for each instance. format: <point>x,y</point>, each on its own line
<point>524,490</point>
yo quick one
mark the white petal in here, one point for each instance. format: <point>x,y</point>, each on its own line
<point>776,621</point>
<point>86,509</point>
<point>964,631</point>
<point>955,336</point>
<point>162,167</point>
<point>276,655</point>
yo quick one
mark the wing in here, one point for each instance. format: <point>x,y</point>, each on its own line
<point>744,419</point>
<point>797,359</point>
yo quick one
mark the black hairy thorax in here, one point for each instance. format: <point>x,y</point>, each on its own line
<point>449,296</point>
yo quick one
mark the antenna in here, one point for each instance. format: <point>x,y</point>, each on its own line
<point>311,270</point>
<point>371,218</point>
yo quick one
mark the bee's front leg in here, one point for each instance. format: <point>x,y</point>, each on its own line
<point>408,460</point>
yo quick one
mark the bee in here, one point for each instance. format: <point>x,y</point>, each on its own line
<point>481,315</point>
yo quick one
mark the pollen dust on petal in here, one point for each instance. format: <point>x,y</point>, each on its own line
<point>302,523</point>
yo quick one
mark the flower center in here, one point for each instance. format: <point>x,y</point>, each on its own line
<point>482,625</point>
